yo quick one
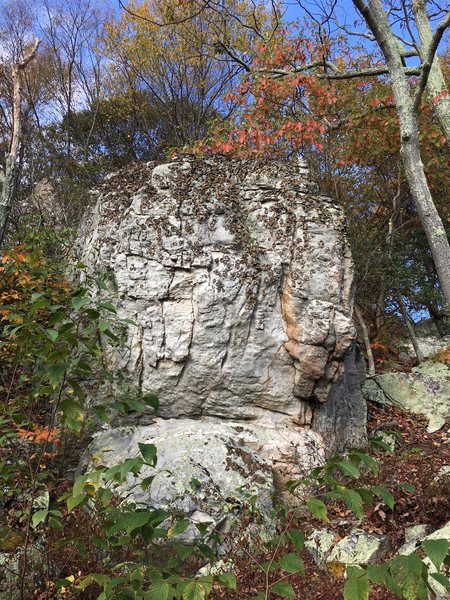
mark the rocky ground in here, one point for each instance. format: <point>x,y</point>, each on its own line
<point>419,458</point>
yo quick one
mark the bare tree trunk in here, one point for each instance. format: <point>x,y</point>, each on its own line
<point>8,192</point>
<point>436,87</point>
<point>366,339</point>
<point>376,19</point>
<point>11,164</point>
<point>379,310</point>
<point>409,327</point>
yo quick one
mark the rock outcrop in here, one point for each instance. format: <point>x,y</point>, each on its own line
<point>238,277</point>
<point>426,390</point>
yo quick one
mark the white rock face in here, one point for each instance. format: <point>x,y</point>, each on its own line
<point>239,279</point>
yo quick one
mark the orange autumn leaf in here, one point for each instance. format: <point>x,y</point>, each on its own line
<point>39,435</point>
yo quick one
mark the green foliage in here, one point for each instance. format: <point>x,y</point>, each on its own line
<point>436,550</point>
<point>357,586</point>
<point>53,332</point>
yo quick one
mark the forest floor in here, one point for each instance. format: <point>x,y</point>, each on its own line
<point>417,458</point>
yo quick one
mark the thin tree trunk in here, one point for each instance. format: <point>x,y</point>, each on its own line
<point>366,339</point>
<point>436,86</point>
<point>11,164</point>
<point>379,310</point>
<point>409,327</point>
<point>376,18</point>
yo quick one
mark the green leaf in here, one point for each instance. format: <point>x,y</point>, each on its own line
<point>109,307</point>
<point>297,537</point>
<point>79,484</point>
<point>228,580</point>
<point>178,528</point>
<point>379,443</point>
<point>385,495</point>
<point>283,589</point>
<point>101,412</point>
<point>292,563</point>
<point>70,408</point>
<point>357,586</point>
<point>369,461</point>
<point>406,486</point>
<point>379,574</point>
<point>408,574</point>
<point>269,565</point>
<point>183,550</point>
<point>318,509</point>
<point>349,468</point>
<point>354,501</point>
<point>147,482</point>
<point>130,521</point>
<point>52,334</point>
<point>39,517</point>
<point>151,400</point>
<point>195,483</point>
<point>206,550</point>
<point>207,582</point>
<point>131,465</point>
<point>55,524</point>
<point>73,501</point>
<point>105,495</point>
<point>159,590</point>
<point>77,390</point>
<point>79,301</point>
<point>194,591</point>
<point>55,373</point>
<point>436,551</point>
<point>103,325</point>
<point>442,579</point>
<point>148,452</point>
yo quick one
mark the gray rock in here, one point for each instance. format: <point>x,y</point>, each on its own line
<point>432,336</point>
<point>208,470</point>
<point>319,544</point>
<point>426,390</point>
<point>38,566</point>
<point>239,280</point>
<point>413,535</point>
<point>359,547</point>
<point>440,534</point>
<point>444,471</point>
<point>429,345</point>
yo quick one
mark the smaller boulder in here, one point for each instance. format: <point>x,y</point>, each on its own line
<point>357,548</point>
<point>204,470</point>
<point>426,390</point>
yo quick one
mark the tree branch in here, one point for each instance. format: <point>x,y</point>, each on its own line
<point>427,60</point>
<point>336,74</point>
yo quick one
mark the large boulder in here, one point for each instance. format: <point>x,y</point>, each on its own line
<point>238,277</point>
